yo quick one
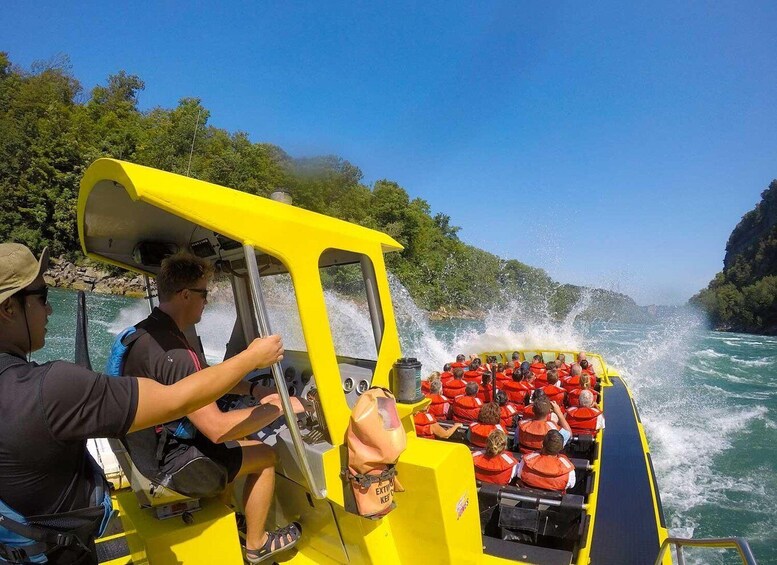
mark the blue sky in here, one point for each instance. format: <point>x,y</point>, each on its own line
<point>613,144</point>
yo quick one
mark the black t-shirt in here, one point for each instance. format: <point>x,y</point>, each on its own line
<point>46,414</point>
<point>162,351</point>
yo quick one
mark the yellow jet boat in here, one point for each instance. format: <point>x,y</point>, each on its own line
<point>132,217</point>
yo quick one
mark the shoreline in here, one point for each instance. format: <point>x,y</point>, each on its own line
<point>68,275</point>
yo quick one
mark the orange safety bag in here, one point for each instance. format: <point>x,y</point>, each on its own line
<point>375,440</point>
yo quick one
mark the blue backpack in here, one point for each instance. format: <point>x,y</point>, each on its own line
<point>114,367</point>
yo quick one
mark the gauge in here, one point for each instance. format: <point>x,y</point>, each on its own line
<point>363,386</point>
<point>289,374</point>
<point>348,384</point>
<point>292,390</point>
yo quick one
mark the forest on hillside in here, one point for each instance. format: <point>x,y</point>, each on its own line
<point>51,129</point>
<point>743,296</point>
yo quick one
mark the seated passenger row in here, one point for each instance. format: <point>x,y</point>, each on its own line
<point>464,408</point>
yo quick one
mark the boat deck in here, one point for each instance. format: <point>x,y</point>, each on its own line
<point>625,529</point>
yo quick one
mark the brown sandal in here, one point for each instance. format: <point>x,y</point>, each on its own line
<point>277,541</point>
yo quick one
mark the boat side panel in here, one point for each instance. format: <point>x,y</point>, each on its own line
<point>626,515</point>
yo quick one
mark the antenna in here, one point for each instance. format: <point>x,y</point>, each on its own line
<point>194,136</point>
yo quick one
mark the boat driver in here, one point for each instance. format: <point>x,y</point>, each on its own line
<point>50,410</point>
<point>163,352</point>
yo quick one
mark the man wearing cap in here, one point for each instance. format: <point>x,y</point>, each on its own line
<point>50,410</point>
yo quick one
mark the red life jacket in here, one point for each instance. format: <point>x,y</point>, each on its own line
<point>485,393</point>
<point>456,365</point>
<point>532,432</point>
<point>478,433</point>
<point>497,469</point>
<point>507,412</point>
<point>445,376</point>
<point>590,371</point>
<point>454,388</point>
<point>423,424</point>
<point>573,397</point>
<point>502,378</point>
<point>541,380</point>
<point>583,420</point>
<point>439,407</point>
<point>528,412</point>
<point>550,472</point>
<point>538,368</point>
<point>509,372</point>
<point>516,391</point>
<point>563,370</point>
<point>466,408</point>
<point>472,377</point>
<point>425,387</point>
<point>554,393</point>
<point>571,383</point>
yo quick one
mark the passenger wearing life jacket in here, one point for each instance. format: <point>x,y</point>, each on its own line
<point>455,386</point>
<point>572,381</point>
<point>519,387</point>
<point>561,366</point>
<point>573,396</point>
<point>528,411</point>
<point>473,374</point>
<point>447,373</point>
<point>587,366</point>
<point>507,410</point>
<point>553,390</point>
<point>460,363</point>
<point>467,406</point>
<point>530,432</point>
<point>501,375</point>
<point>486,389</point>
<point>538,365</point>
<point>426,426</point>
<point>586,418</point>
<point>508,369</point>
<point>488,421</point>
<point>548,469</point>
<point>440,405</point>
<point>494,464</point>
<point>433,376</point>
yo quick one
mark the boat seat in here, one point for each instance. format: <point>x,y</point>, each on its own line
<point>150,494</point>
<point>541,517</point>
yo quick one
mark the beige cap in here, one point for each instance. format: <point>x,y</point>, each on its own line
<point>18,268</point>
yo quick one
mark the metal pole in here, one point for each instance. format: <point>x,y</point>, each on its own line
<point>149,295</point>
<point>373,301</point>
<point>515,497</point>
<point>263,324</point>
<point>680,556</point>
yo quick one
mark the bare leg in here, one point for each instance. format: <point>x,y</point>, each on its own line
<point>259,469</point>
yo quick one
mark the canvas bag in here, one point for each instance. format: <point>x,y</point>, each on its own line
<point>375,440</point>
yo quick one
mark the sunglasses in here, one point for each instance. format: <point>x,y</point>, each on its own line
<point>201,291</point>
<point>43,292</point>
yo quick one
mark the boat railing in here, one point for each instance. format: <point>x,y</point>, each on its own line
<point>736,543</point>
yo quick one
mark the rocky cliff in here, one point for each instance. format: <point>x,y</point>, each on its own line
<point>743,297</point>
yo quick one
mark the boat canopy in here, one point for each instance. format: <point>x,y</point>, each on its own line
<point>132,216</point>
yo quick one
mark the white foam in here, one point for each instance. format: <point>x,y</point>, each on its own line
<point>762,362</point>
<point>709,354</point>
